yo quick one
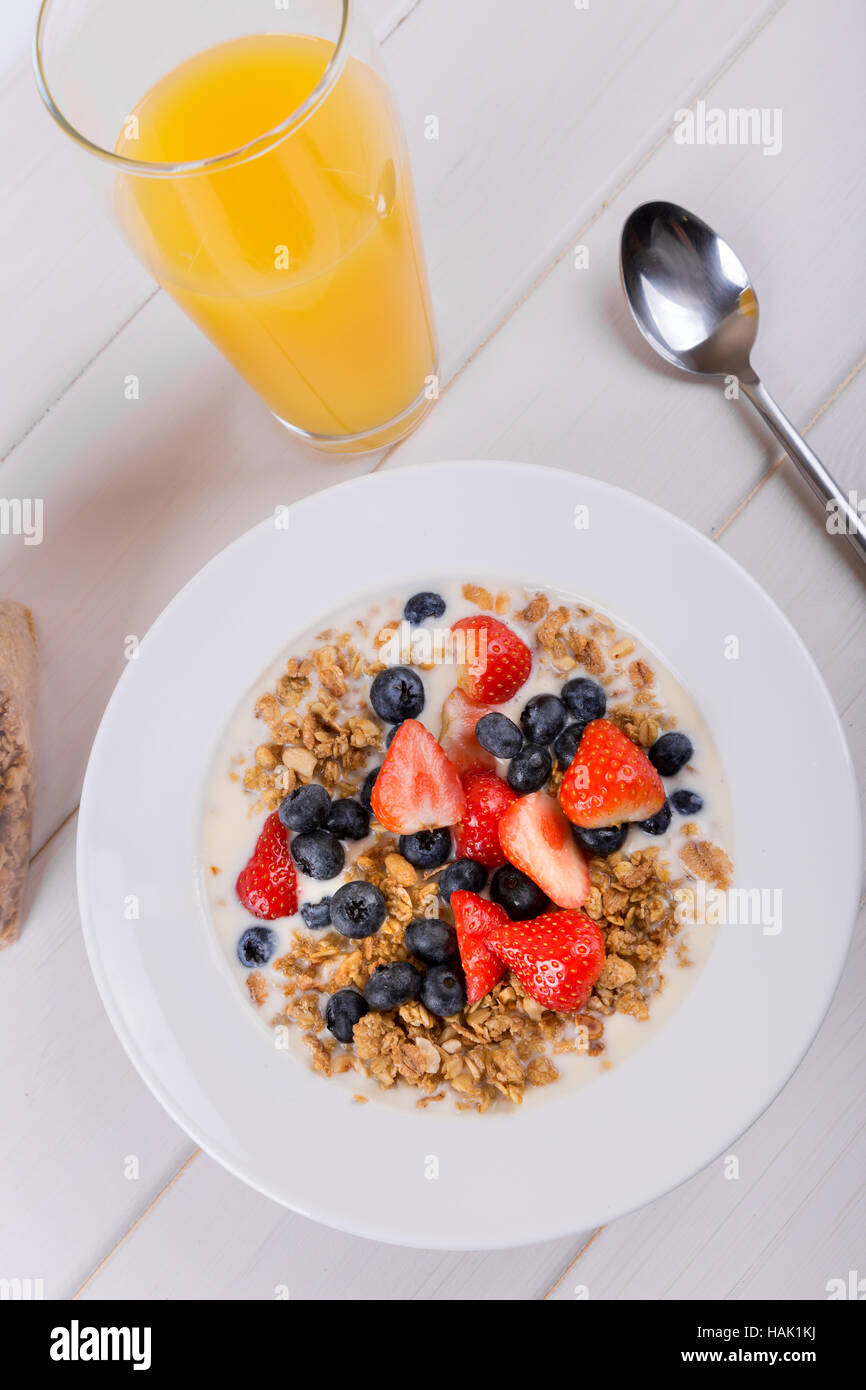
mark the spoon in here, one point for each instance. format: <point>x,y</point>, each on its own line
<point>693,302</point>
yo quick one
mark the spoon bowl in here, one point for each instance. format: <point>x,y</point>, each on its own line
<point>688,291</point>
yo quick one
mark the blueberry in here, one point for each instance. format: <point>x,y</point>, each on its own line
<point>585,699</point>
<point>368,785</point>
<point>499,735</point>
<point>443,991</point>
<point>566,744</point>
<point>424,605</point>
<point>318,914</point>
<point>358,909</point>
<point>426,849</point>
<point>542,718</point>
<point>517,893</point>
<point>606,840</point>
<point>657,824</point>
<point>342,1012</point>
<point>348,820</point>
<point>318,853</point>
<point>256,945</point>
<point>687,803</point>
<point>465,875</point>
<point>391,985</point>
<point>430,940</point>
<point>389,737</point>
<point>530,769</point>
<point>397,693</point>
<point>670,752</point>
<point>306,808</point>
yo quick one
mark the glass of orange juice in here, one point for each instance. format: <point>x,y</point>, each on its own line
<point>258,168</point>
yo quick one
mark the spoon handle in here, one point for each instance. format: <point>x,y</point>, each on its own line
<point>825,488</point>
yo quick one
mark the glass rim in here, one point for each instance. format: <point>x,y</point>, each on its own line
<point>260,144</point>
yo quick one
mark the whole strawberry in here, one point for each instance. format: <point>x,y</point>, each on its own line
<point>487,800</point>
<point>497,662</point>
<point>609,780</point>
<point>268,886</point>
<point>556,957</point>
<point>475,918</point>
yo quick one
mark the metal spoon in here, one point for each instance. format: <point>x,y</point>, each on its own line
<point>692,300</point>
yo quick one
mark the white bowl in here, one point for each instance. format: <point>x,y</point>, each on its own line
<point>578,1157</point>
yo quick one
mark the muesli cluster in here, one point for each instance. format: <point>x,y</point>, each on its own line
<point>18,670</point>
<point>469,906</point>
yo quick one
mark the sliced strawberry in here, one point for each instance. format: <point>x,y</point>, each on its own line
<point>497,661</point>
<point>556,957</point>
<point>609,780</point>
<point>418,787</point>
<point>538,840</point>
<point>487,800</point>
<point>268,885</point>
<point>475,918</point>
<point>457,735</point>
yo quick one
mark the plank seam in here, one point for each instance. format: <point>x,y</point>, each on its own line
<point>175,1177</point>
<point>52,405</point>
<point>783,457</point>
<point>565,1273</point>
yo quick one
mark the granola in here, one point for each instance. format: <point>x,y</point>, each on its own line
<point>318,728</point>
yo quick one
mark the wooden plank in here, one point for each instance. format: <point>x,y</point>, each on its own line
<point>75,1114</point>
<point>816,578</point>
<point>210,1237</point>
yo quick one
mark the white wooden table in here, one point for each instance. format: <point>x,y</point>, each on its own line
<point>554,121</point>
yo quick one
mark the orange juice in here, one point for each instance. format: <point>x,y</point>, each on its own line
<point>303,265</point>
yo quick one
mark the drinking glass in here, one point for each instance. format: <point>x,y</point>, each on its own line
<point>258,168</point>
